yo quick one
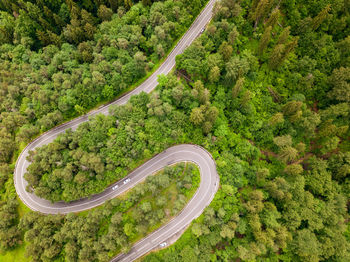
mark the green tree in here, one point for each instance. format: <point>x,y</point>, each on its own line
<point>293,169</point>
<point>227,232</point>
<point>214,74</point>
<point>236,68</point>
<point>283,141</point>
<point>104,13</point>
<point>316,21</point>
<point>7,23</point>
<point>86,52</point>
<point>233,36</point>
<point>197,229</point>
<point>238,87</point>
<point>197,116</point>
<point>7,146</point>
<point>265,39</point>
<point>283,37</point>
<point>79,109</point>
<point>225,50</point>
<point>340,80</point>
<point>306,245</point>
<point>212,113</point>
<point>246,98</point>
<point>276,57</point>
<point>288,154</point>
<point>276,119</point>
<point>289,48</point>
<point>259,12</point>
<point>293,110</point>
<point>273,19</point>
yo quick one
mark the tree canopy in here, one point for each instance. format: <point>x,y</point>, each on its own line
<point>265,89</point>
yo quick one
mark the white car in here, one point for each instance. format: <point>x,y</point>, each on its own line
<point>126,181</point>
<point>163,244</point>
<point>115,187</point>
<point>202,30</point>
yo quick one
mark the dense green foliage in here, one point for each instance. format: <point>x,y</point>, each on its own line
<point>291,201</point>
<point>104,149</point>
<point>40,89</point>
<point>101,233</point>
<point>266,89</point>
<point>38,23</point>
<point>60,58</point>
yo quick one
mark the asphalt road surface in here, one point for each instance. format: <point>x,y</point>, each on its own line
<point>192,153</point>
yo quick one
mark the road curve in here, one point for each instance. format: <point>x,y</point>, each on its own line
<point>204,195</point>
<point>209,178</point>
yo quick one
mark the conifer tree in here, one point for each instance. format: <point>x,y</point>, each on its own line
<point>276,56</point>
<point>289,48</point>
<point>282,39</point>
<point>238,87</point>
<point>316,21</point>
<point>273,19</point>
<point>265,39</point>
<point>260,12</point>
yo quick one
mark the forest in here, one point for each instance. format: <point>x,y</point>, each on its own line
<point>103,232</point>
<point>51,51</point>
<point>265,89</point>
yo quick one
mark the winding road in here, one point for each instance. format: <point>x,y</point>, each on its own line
<point>191,153</point>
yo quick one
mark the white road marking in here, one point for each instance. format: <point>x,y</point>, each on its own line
<point>192,153</point>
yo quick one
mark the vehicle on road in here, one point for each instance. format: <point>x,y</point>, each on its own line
<point>200,201</point>
<point>202,30</point>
